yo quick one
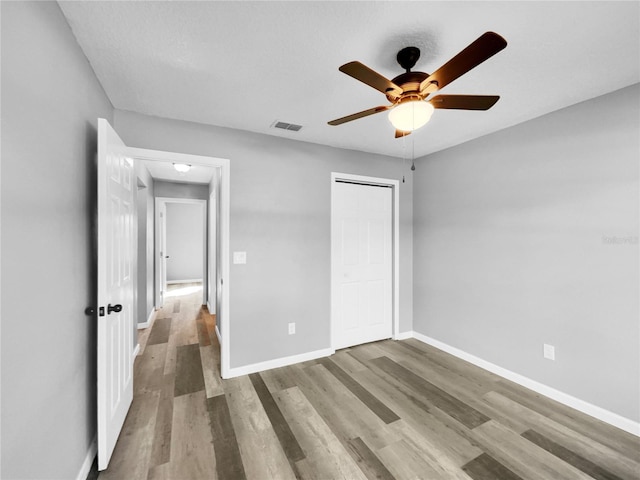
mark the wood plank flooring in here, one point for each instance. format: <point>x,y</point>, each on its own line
<point>387,410</point>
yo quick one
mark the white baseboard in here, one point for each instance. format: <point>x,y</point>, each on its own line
<point>218,335</point>
<point>600,413</point>
<point>88,460</point>
<point>136,350</point>
<point>279,362</point>
<point>403,335</point>
<point>149,321</point>
<point>210,308</point>
<point>188,280</point>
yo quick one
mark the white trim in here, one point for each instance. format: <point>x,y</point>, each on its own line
<point>279,362</point>
<point>88,460</point>
<point>149,321</point>
<point>136,351</point>
<point>404,335</point>
<point>189,280</point>
<point>218,334</point>
<point>159,236</point>
<point>212,249</point>
<point>224,281</point>
<point>600,413</point>
<point>395,187</point>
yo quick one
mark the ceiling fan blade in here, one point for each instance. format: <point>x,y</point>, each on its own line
<point>363,73</point>
<point>355,116</point>
<point>486,46</point>
<point>401,133</point>
<point>464,102</point>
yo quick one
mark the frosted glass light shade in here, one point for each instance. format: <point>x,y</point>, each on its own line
<point>409,116</point>
<point>182,167</point>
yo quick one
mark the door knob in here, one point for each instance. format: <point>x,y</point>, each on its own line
<point>114,308</point>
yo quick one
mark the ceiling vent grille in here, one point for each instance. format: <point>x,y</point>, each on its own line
<point>286,126</point>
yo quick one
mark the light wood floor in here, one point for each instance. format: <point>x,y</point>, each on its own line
<point>385,410</point>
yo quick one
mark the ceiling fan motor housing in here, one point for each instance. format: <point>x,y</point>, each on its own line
<point>410,84</point>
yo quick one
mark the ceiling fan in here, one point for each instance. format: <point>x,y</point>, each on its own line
<point>408,92</point>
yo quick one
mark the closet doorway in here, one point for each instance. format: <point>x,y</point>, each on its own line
<point>364,259</point>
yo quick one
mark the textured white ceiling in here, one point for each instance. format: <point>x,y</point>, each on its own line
<point>165,171</point>
<point>246,64</point>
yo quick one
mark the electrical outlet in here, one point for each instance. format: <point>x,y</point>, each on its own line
<point>239,258</point>
<point>292,328</point>
<point>549,352</point>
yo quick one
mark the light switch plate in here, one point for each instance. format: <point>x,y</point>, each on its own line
<point>549,352</point>
<point>239,258</point>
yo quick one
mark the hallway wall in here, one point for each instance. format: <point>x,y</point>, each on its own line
<point>146,236</point>
<point>185,238</point>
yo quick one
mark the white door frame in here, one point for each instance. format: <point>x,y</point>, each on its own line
<point>205,263</point>
<point>395,226</point>
<point>212,252</point>
<point>224,164</point>
<point>159,248</point>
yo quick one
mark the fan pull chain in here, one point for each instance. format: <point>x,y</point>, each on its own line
<point>413,142</point>
<point>404,155</point>
<point>413,155</point>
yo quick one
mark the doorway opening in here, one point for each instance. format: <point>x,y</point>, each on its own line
<point>181,246</point>
<point>214,239</point>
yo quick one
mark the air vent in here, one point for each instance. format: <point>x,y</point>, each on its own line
<point>286,126</point>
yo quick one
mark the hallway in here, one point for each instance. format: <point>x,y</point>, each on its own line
<point>175,373</point>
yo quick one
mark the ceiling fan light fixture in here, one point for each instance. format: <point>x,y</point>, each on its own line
<point>182,167</point>
<point>410,115</point>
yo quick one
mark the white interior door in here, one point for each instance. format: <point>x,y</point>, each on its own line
<point>116,255</point>
<point>361,252</point>
<point>161,251</point>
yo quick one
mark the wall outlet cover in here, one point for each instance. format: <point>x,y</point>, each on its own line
<point>292,328</point>
<point>239,258</point>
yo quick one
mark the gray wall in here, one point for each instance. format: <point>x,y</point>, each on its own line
<point>185,241</point>
<point>280,215</point>
<point>50,104</point>
<point>514,248</point>
<point>180,190</point>
<point>146,237</point>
